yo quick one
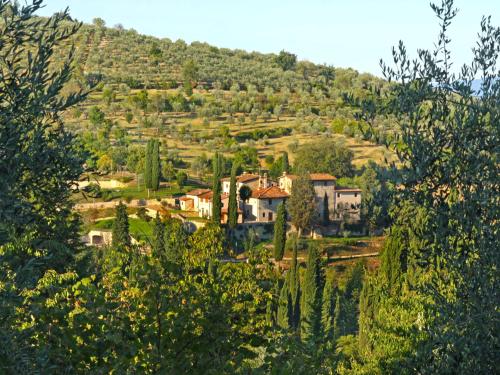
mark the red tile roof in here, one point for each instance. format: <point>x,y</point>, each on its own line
<point>197,192</point>
<point>185,199</point>
<point>272,192</point>
<point>246,177</point>
<point>314,177</point>
<point>206,195</point>
<point>322,177</point>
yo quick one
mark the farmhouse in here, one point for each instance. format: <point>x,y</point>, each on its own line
<point>343,202</point>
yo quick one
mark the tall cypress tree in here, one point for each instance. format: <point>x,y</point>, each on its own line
<point>295,289</point>
<point>147,165</point>
<point>155,164</point>
<point>326,210</point>
<point>121,236</point>
<point>283,316</point>
<point>310,325</point>
<point>285,166</point>
<point>328,308</point>
<point>338,323</point>
<point>280,232</point>
<point>216,200</point>
<point>158,245</point>
<point>233,203</point>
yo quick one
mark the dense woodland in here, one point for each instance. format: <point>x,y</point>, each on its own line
<point>175,114</point>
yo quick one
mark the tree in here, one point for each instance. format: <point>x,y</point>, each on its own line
<point>121,236</point>
<point>233,203</point>
<point>449,137</point>
<point>285,164</point>
<point>326,211</point>
<point>280,232</point>
<point>328,308</point>
<point>181,178</point>
<point>155,165</point>
<point>310,325</point>
<point>189,76</point>
<point>175,241</point>
<point>158,245</point>
<point>245,193</point>
<point>286,60</point>
<point>96,116</point>
<point>295,292</point>
<point>284,306</point>
<point>148,164</point>
<point>216,197</point>
<point>324,156</point>
<point>301,205</point>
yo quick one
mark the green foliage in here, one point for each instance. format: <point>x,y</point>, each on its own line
<point>326,211</point>
<point>216,188</point>
<point>233,203</point>
<point>155,165</point>
<point>121,235</point>
<point>324,156</point>
<point>245,193</point>
<point>286,60</point>
<point>284,306</point>
<point>310,318</point>
<point>301,205</point>
<point>328,308</point>
<point>148,164</point>
<point>181,178</point>
<point>280,232</point>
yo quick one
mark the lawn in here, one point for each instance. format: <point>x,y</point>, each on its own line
<point>139,229</point>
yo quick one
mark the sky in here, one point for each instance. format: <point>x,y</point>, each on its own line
<point>342,33</point>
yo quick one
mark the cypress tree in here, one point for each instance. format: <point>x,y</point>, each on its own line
<point>326,211</point>
<point>121,236</point>
<point>155,164</point>
<point>233,203</point>
<point>337,319</point>
<point>280,232</point>
<point>216,200</point>
<point>310,326</point>
<point>328,308</point>
<point>147,165</point>
<point>295,289</point>
<point>284,305</point>
<point>158,246</point>
<point>285,166</point>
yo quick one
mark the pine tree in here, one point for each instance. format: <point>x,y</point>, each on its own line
<point>328,308</point>
<point>148,161</point>
<point>280,232</point>
<point>155,164</point>
<point>283,316</point>
<point>326,211</point>
<point>285,166</point>
<point>295,289</point>
<point>216,199</point>
<point>233,203</point>
<point>310,325</point>
<point>121,236</point>
<point>158,246</point>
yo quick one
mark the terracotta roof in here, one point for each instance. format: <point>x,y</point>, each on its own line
<point>272,192</point>
<point>347,190</point>
<point>197,192</point>
<point>314,177</point>
<point>322,177</point>
<point>246,177</point>
<point>206,195</point>
<point>185,199</point>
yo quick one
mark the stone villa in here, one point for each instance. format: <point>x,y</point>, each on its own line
<point>266,195</point>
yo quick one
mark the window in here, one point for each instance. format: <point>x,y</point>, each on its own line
<point>263,214</point>
<point>338,206</point>
<point>338,195</point>
<point>355,195</point>
<point>270,202</point>
<point>325,183</point>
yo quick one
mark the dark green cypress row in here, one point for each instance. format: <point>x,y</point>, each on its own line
<point>147,165</point>
<point>280,232</point>
<point>283,316</point>
<point>158,245</point>
<point>121,236</point>
<point>326,211</point>
<point>233,203</point>
<point>310,325</point>
<point>285,166</point>
<point>155,164</point>
<point>328,308</point>
<point>216,199</point>
<point>295,289</point>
